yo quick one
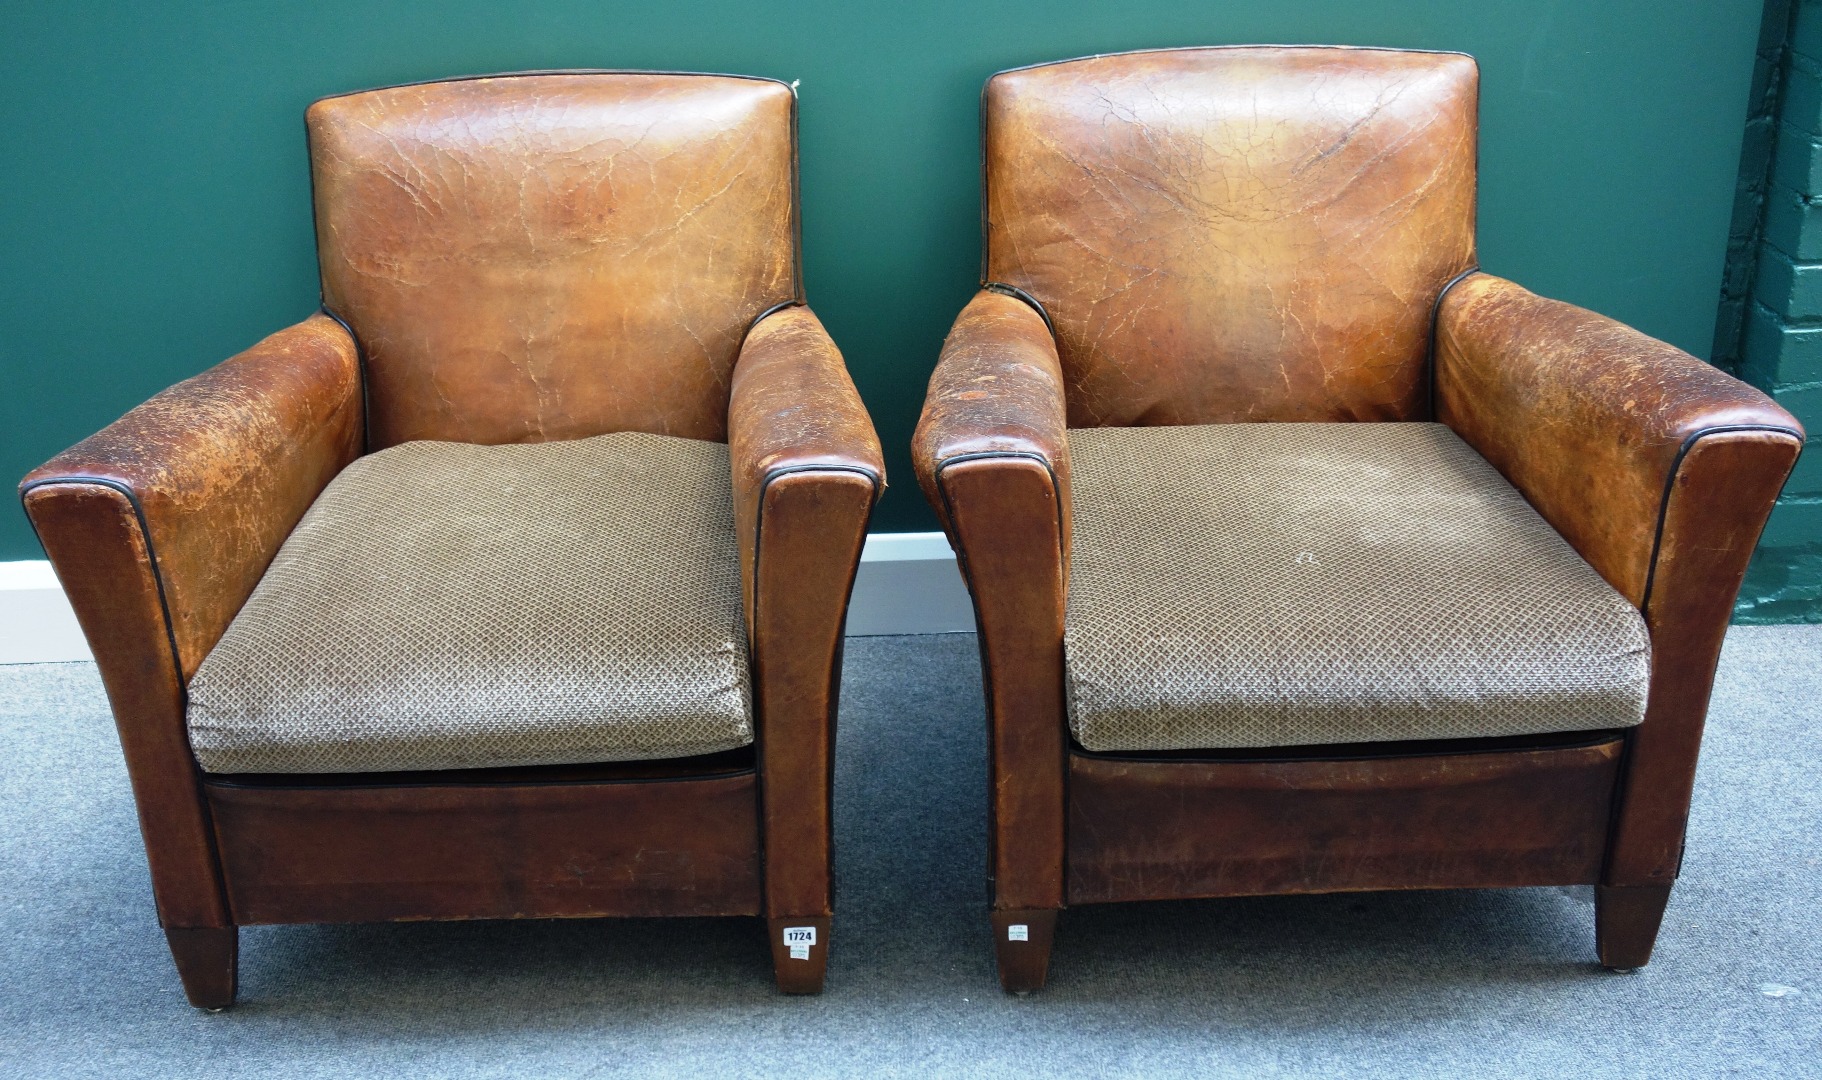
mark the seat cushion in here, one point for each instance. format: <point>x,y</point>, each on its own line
<point>450,606</point>
<point>1259,585</point>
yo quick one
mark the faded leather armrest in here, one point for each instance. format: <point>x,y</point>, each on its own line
<point>160,525</point>
<point>1658,468</point>
<point>992,456</point>
<point>807,469</point>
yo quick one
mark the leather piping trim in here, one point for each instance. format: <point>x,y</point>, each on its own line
<point>1229,48</point>
<point>532,73</point>
<point>1435,322</point>
<point>1318,754</point>
<point>1030,301</point>
<point>962,564</point>
<point>360,358</point>
<point>796,204</point>
<point>759,730</point>
<point>984,179</point>
<point>145,533</point>
<point>766,314</point>
<point>394,785</point>
<point>1676,466</point>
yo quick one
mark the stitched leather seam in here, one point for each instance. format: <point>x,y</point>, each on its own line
<point>360,362</point>
<point>1275,756</point>
<point>471,785</point>
<point>1030,301</point>
<point>766,314</point>
<point>1435,322</point>
<point>537,72</point>
<point>1231,48</point>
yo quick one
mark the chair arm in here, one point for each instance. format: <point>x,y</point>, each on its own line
<point>807,469</point>
<point>160,525</point>
<point>1590,418</point>
<point>997,392</point>
<point>1658,468</point>
<point>992,456</point>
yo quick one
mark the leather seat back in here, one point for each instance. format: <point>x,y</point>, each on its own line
<point>554,256</point>
<point>1243,233</point>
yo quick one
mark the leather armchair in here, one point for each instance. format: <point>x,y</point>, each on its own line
<point>515,268</point>
<point>1249,270</point>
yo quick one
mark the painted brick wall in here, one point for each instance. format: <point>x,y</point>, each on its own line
<point>1770,329</point>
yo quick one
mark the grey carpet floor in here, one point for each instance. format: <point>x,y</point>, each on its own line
<point>1449,984</point>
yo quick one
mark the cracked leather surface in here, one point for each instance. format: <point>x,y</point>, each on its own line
<point>555,256</point>
<point>223,465</point>
<point>997,389</point>
<point>1261,233</point>
<point>1228,234</point>
<point>1583,414</point>
<point>794,408</point>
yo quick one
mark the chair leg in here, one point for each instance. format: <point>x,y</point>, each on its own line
<point>208,961</point>
<point>800,971</point>
<point>1022,940</point>
<point>1626,919</point>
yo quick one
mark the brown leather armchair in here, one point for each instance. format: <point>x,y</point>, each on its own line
<point>1306,556</point>
<point>512,584</point>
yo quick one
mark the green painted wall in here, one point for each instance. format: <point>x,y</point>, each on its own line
<point>155,214</point>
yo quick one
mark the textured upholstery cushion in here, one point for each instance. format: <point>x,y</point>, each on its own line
<point>1255,585</point>
<point>447,606</point>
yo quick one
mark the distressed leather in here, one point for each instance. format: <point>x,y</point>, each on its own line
<point>1658,468</point>
<point>807,469</point>
<point>1239,233</point>
<point>794,408</point>
<point>997,391</point>
<point>222,466</point>
<point>521,259</point>
<point>554,256</point>
<point>159,527</point>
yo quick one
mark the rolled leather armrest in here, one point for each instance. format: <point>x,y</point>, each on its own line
<point>992,456</point>
<point>1590,418</point>
<point>160,525</point>
<point>1658,468</point>
<point>997,392</point>
<point>218,469</point>
<point>807,469</point>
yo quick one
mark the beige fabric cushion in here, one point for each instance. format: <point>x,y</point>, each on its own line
<point>1257,585</point>
<point>447,606</point>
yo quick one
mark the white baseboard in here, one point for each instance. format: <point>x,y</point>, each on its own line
<point>907,584</point>
<point>36,623</point>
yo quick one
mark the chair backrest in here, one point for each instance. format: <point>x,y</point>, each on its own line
<point>554,255</point>
<point>1232,234</point>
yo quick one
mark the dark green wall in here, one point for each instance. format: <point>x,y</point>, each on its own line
<point>155,214</point>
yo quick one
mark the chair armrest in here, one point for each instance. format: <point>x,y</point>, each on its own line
<point>997,392</point>
<point>1590,419</point>
<point>1658,468</point>
<point>992,456</point>
<point>807,469</point>
<point>160,525</point>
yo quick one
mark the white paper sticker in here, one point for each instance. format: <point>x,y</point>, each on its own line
<point>1018,932</point>
<point>800,952</point>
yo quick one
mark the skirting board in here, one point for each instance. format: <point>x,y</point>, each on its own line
<point>907,584</point>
